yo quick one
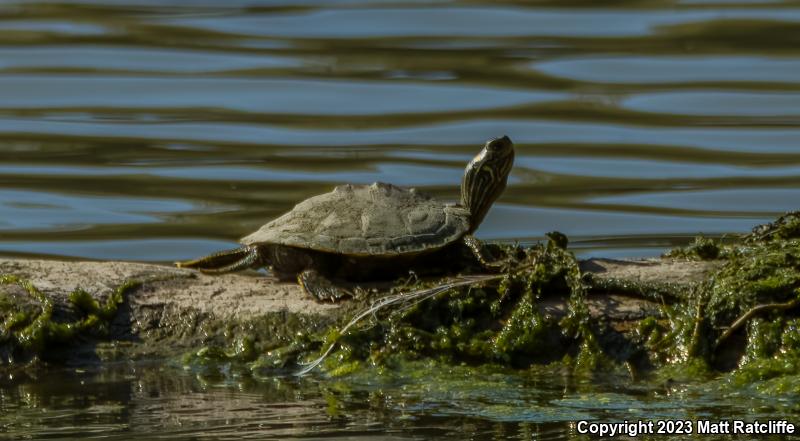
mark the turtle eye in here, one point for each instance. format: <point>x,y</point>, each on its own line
<point>499,143</point>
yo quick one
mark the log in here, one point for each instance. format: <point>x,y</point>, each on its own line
<point>173,309</point>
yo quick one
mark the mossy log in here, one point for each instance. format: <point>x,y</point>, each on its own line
<point>167,310</point>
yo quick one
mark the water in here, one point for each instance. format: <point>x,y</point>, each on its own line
<point>161,130</point>
<point>122,402</point>
<point>156,131</point>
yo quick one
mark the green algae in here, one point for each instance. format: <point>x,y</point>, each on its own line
<point>660,292</point>
<point>489,322</point>
<point>492,322</point>
<point>786,227</point>
<point>266,345</point>
<point>702,248</point>
<point>30,328</point>
<point>502,322</point>
<point>745,312</point>
<point>771,364</point>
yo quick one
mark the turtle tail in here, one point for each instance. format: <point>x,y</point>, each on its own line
<point>227,261</point>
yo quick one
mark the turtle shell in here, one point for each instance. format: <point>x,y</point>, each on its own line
<point>367,220</point>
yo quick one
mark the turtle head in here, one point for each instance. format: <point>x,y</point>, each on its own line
<point>485,178</point>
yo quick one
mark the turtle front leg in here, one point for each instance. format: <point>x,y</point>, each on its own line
<point>227,261</point>
<point>320,287</point>
<point>476,247</point>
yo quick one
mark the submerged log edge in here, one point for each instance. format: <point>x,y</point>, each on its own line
<point>176,309</point>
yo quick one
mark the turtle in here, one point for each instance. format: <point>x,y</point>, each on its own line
<point>369,232</point>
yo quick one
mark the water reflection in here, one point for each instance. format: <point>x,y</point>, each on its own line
<point>52,26</point>
<point>133,59</point>
<point>637,125</point>
<point>263,96</point>
<point>552,134</point>
<point>415,175</point>
<point>164,250</point>
<point>146,402</point>
<point>763,200</point>
<point>761,104</point>
<point>28,210</point>
<point>674,69</point>
<point>446,21</point>
<point>653,169</point>
<point>511,222</point>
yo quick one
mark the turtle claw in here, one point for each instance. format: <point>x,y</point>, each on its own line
<point>227,261</point>
<point>476,247</point>
<point>320,287</point>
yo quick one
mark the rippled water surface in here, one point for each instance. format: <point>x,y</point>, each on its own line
<point>161,130</point>
<point>154,130</point>
<point>434,402</point>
